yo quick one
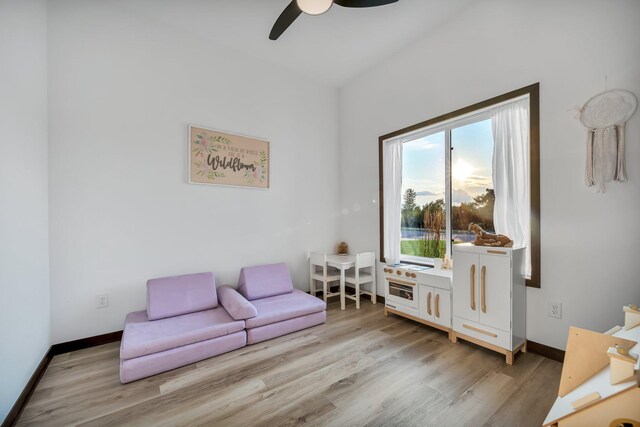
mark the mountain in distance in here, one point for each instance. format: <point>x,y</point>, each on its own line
<point>460,196</point>
<point>425,193</point>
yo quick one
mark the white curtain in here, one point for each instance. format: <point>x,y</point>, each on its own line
<point>512,209</point>
<point>392,170</point>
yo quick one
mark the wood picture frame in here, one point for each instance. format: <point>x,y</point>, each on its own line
<point>223,158</point>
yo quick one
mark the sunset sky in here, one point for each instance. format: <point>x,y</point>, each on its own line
<point>423,163</point>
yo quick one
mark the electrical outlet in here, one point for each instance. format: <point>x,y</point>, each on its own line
<point>554,309</point>
<point>102,300</point>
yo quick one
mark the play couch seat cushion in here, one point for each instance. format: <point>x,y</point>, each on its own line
<point>176,295</point>
<point>142,336</point>
<point>264,281</point>
<point>284,307</point>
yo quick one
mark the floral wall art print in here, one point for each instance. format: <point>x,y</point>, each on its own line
<point>225,159</point>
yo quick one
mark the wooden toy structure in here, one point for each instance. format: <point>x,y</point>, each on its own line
<point>600,383</point>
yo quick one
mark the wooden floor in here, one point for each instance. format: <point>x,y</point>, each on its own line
<point>359,368</point>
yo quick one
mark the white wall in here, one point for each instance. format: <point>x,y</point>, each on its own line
<point>589,241</point>
<point>24,241</point>
<point>122,91</point>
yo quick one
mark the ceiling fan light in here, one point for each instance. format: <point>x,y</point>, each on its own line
<point>314,7</point>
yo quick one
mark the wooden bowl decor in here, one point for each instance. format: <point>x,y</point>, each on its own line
<point>488,239</point>
<point>343,248</point>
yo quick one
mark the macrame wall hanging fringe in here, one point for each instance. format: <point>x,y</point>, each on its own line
<point>604,116</point>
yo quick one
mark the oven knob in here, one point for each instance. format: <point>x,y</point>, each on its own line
<point>413,275</point>
<point>407,274</point>
<point>399,273</point>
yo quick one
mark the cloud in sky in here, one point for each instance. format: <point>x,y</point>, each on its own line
<point>477,184</point>
<point>422,144</point>
<point>480,180</point>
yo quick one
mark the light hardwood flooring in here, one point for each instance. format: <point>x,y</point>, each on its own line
<point>359,368</point>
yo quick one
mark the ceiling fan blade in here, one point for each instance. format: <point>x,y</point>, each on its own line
<point>286,18</point>
<point>363,3</point>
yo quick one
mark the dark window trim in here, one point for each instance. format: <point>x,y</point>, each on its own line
<point>534,134</point>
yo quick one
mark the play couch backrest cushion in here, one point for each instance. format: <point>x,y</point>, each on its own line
<point>264,281</point>
<point>176,295</point>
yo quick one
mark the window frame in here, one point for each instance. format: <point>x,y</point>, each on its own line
<point>422,133</point>
<point>474,113</point>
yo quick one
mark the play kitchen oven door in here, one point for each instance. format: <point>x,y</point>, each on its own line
<point>402,292</point>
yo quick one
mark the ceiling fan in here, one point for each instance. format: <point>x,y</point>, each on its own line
<point>315,7</point>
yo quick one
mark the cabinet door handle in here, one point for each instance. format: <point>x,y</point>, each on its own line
<point>496,252</point>
<point>473,287</point>
<point>481,331</point>
<point>437,305</point>
<point>429,303</point>
<point>483,290</point>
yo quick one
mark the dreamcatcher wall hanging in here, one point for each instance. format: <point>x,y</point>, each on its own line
<point>605,115</point>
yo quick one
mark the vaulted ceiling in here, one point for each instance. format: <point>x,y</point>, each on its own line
<point>332,48</point>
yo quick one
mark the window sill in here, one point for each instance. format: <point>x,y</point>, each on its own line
<point>410,260</point>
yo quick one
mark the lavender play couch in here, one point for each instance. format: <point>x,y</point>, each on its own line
<point>281,309</point>
<point>185,323</point>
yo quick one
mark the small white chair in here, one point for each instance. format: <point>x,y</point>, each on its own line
<point>357,277</point>
<point>319,272</point>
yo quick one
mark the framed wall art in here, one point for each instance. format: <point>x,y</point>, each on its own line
<point>220,158</point>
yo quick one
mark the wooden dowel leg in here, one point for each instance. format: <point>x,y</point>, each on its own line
<point>453,337</point>
<point>509,357</point>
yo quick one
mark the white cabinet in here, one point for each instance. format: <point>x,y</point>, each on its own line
<point>435,305</point>
<point>465,299</point>
<point>419,293</point>
<point>442,312</point>
<point>495,291</point>
<point>489,297</point>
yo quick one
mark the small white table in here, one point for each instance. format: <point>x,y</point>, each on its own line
<point>342,263</point>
